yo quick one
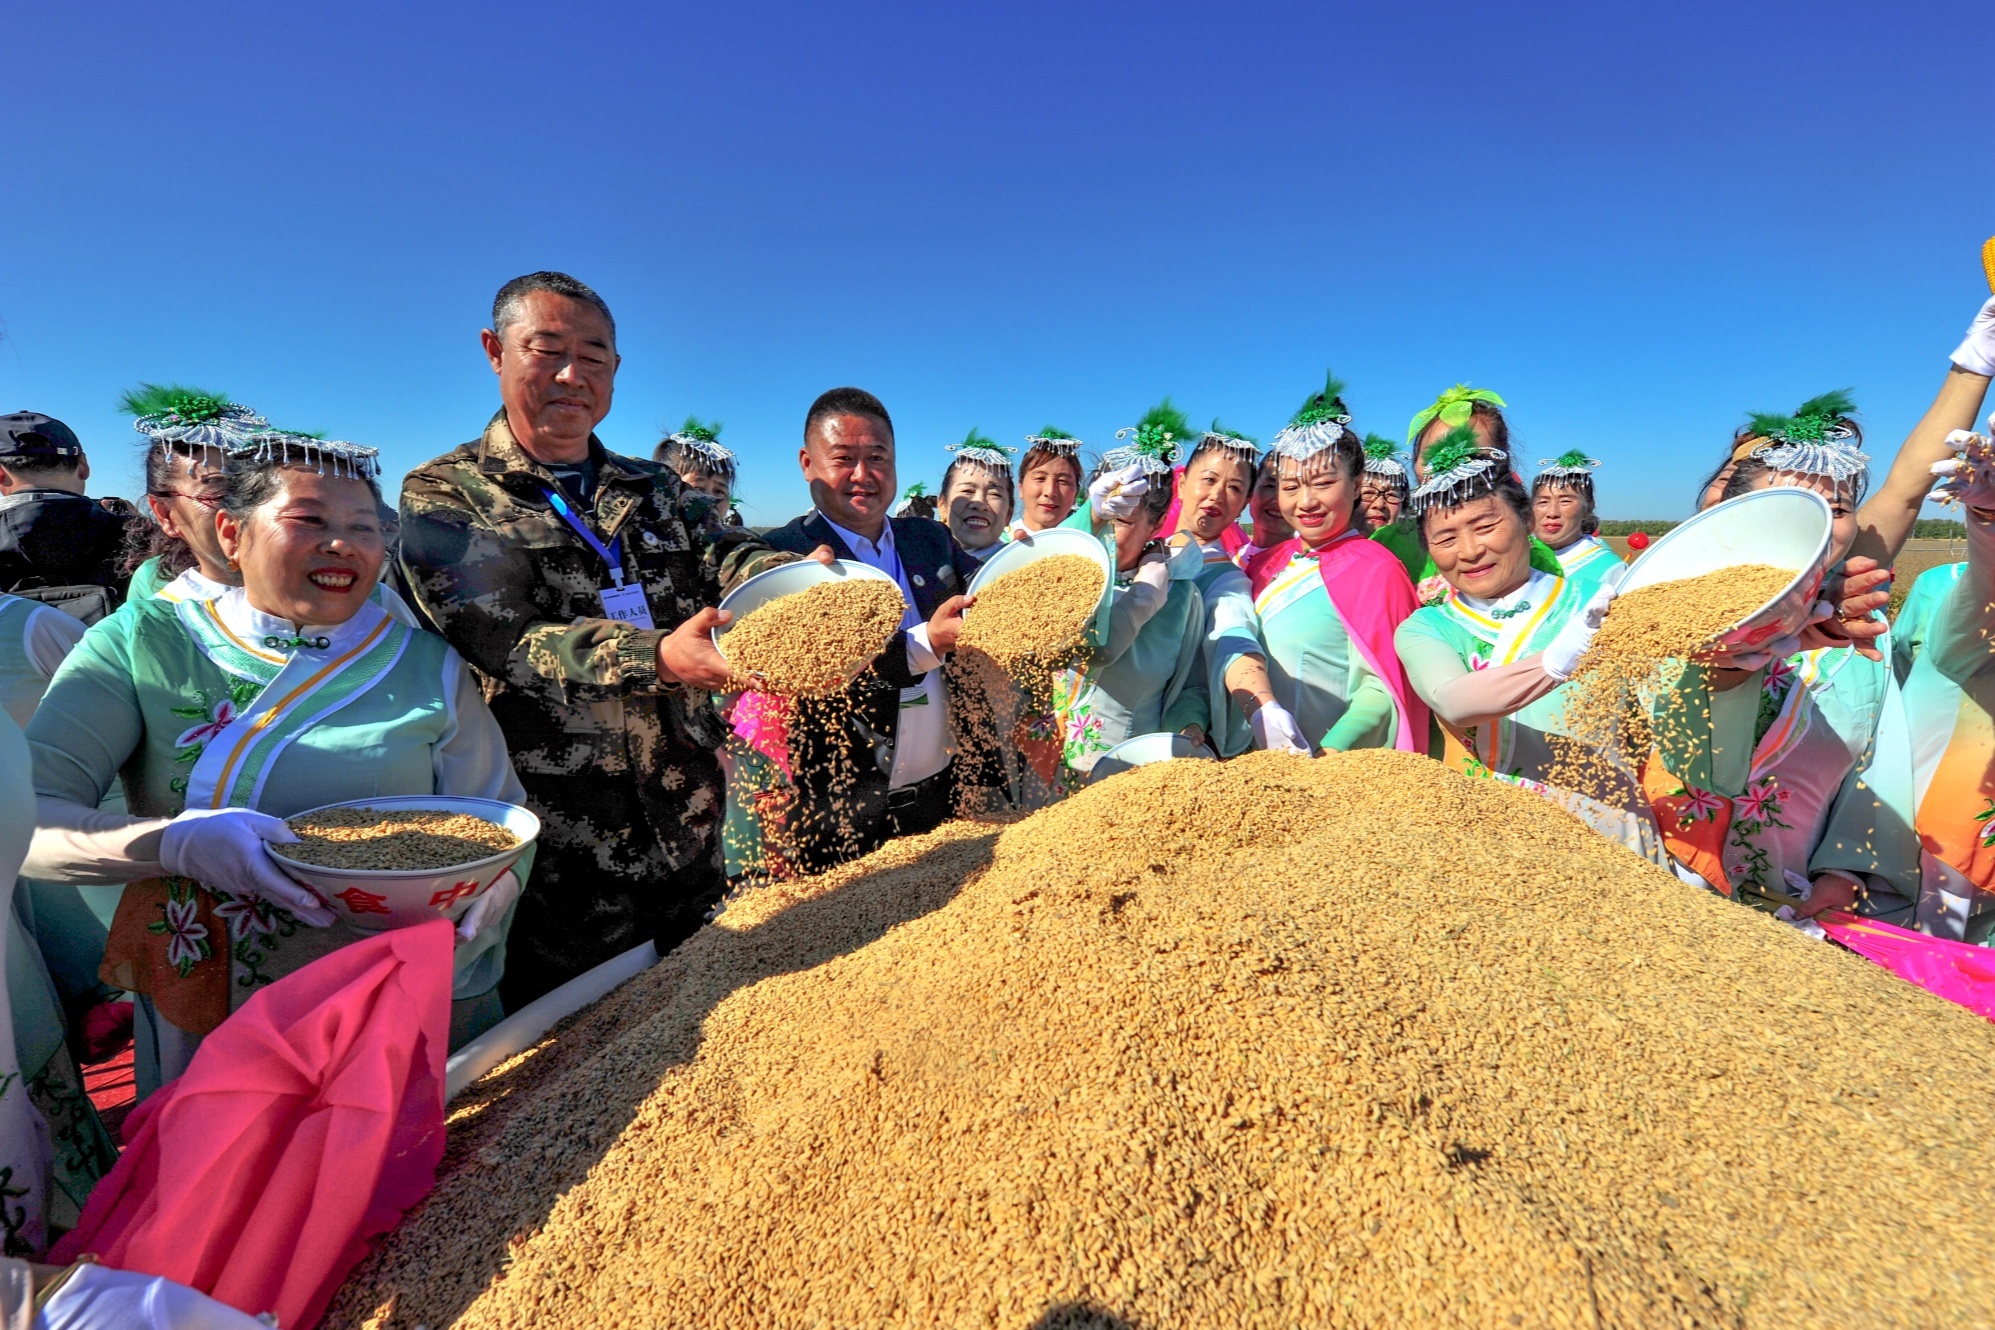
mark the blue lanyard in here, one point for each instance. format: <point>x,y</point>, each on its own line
<point>611,553</point>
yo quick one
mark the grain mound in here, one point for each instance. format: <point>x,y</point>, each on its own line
<point>815,642</point>
<point>1353,1041</point>
<point>396,841</point>
<point>1037,613</point>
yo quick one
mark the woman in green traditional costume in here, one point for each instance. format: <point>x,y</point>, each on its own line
<point>1780,779</point>
<point>1147,676</point>
<point>1492,655</point>
<point>1562,516</point>
<point>224,715</point>
<point>1212,492</point>
<point>1327,600</point>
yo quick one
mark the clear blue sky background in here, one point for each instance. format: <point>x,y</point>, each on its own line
<point>1636,222</point>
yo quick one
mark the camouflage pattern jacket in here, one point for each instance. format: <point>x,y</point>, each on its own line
<point>620,766</point>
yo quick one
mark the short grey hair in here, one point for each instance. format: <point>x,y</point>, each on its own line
<point>506,304</point>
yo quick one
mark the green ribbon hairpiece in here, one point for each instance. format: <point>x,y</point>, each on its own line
<point>1453,409</point>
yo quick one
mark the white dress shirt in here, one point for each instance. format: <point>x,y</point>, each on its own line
<point>921,738</point>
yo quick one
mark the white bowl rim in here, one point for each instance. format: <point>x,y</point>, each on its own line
<point>387,802</point>
<point>1814,563</point>
<point>1203,750</point>
<point>850,567</point>
<point>1072,535</point>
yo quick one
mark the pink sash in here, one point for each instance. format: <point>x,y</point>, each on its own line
<point>1372,594</point>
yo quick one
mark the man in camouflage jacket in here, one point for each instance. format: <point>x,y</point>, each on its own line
<point>610,725</point>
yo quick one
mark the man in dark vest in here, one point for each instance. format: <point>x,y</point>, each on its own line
<point>879,765</point>
<point>55,541</point>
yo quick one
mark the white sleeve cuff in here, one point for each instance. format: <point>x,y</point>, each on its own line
<point>921,657</point>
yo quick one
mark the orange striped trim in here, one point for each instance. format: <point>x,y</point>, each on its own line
<point>269,717</point>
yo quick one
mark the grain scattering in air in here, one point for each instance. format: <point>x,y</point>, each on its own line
<point>814,642</point>
<point>393,840</point>
<point>1269,1043</point>
<point>1038,612</point>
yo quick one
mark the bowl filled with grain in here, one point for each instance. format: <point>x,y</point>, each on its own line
<point>1767,552</point>
<point>1041,594</point>
<point>395,861</point>
<point>808,629</point>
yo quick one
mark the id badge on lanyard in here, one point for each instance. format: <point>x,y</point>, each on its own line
<point>623,601</point>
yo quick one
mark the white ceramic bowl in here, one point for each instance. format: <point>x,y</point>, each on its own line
<point>786,580</point>
<point>1033,546</point>
<point>377,900</point>
<point>1785,527</point>
<point>1141,750</point>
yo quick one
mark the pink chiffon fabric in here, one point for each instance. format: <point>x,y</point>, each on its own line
<point>307,1123</point>
<point>1372,594</point>
<point>1957,971</point>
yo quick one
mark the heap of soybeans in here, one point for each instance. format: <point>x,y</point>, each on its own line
<point>396,840</point>
<point>1270,1043</point>
<point>816,641</point>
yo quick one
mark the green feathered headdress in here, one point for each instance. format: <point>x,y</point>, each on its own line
<point>1153,441</point>
<point>984,451</point>
<point>169,413</point>
<point>1819,439</point>
<point>1453,409</point>
<point>1382,458</point>
<point>1458,469</point>
<point>699,443</point>
<point>1319,425</point>
<point>1055,441</point>
<point>918,490</point>
<point>1572,468</point>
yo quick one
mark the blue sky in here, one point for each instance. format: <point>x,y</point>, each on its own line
<point>1635,222</point>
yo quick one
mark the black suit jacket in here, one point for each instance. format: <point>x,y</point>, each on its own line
<point>842,754</point>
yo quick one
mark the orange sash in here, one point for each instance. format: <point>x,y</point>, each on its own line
<point>1956,819</point>
<point>168,943</point>
<point>1693,823</point>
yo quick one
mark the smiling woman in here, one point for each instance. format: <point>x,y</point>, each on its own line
<point>225,715</point>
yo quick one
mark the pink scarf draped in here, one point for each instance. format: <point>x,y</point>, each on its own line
<point>1369,589</point>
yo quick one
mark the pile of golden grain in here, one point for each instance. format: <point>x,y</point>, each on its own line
<point>393,840</point>
<point>1036,613</point>
<point>817,641</point>
<point>1269,1043</point>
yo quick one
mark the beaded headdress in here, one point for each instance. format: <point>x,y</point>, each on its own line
<point>1221,437</point>
<point>1055,441</point>
<point>1458,469</point>
<point>986,452</point>
<point>1318,426</point>
<point>1382,458</point>
<point>700,442</point>
<point>290,448</point>
<point>1570,468</point>
<point>169,414</point>
<point>1153,441</point>
<point>1817,440</point>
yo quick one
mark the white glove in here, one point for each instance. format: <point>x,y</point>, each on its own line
<point>491,907</point>
<point>223,849</point>
<point>1561,656</point>
<point>1969,476</point>
<point>97,1297</point>
<point>1118,493</point>
<point>1976,355</point>
<point>1275,731</point>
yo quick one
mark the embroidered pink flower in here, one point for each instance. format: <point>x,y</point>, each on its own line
<point>245,916</point>
<point>184,932</point>
<point>1762,801</point>
<point>1081,728</point>
<point>1777,674</point>
<point>1432,590</point>
<point>220,719</point>
<point>1699,805</point>
<point>1478,661</point>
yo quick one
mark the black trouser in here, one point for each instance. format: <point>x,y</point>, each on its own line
<point>829,830</point>
<point>574,916</point>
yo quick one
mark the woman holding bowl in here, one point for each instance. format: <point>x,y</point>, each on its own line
<point>225,715</point>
